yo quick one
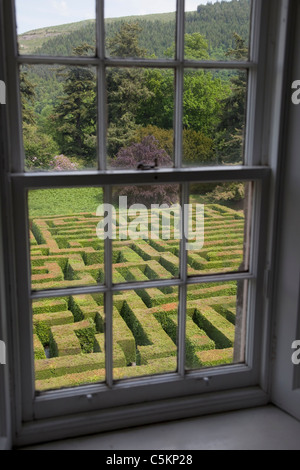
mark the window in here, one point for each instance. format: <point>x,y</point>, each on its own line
<point>105,321</point>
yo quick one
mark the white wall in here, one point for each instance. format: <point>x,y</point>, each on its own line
<point>285,392</point>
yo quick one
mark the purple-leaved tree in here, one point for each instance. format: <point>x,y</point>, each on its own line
<point>148,153</point>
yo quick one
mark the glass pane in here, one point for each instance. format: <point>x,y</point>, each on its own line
<point>65,249</point>
<point>140,117</point>
<point>145,332</point>
<point>68,341</point>
<point>140,29</point>
<point>59,109</point>
<point>216,324</point>
<point>146,232</point>
<point>222,242</point>
<point>214,118</point>
<point>57,28</point>
<point>217,30</point>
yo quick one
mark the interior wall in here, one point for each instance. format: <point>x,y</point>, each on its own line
<point>286,375</point>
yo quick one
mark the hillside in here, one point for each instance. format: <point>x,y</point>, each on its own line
<point>216,22</point>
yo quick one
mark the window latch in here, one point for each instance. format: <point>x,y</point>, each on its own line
<point>144,167</point>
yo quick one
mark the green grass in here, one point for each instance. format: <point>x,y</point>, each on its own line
<point>34,39</point>
<point>49,202</point>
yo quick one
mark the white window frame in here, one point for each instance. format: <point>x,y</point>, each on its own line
<point>94,408</point>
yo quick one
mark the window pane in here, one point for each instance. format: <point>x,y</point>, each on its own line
<point>216,324</point>
<point>145,332</point>
<point>218,30</point>
<point>56,28</point>
<point>214,117</point>
<point>140,29</point>
<point>68,341</point>
<point>222,243</point>
<point>140,117</point>
<point>59,117</point>
<point>65,249</point>
<point>146,238</point>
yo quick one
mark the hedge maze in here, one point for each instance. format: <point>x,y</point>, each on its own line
<point>68,336</point>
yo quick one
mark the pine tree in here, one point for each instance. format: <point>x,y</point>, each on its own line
<point>125,88</point>
<point>125,42</point>
<point>76,113</point>
<point>231,128</point>
<point>27,98</point>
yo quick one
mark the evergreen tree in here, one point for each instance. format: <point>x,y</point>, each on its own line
<point>27,98</point>
<point>76,113</point>
<point>231,129</point>
<point>125,42</point>
<point>125,88</point>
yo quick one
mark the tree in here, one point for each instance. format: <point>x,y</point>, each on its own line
<point>27,90</point>
<point>125,42</point>
<point>231,128</point>
<point>76,113</point>
<point>202,98</point>
<point>195,47</point>
<point>197,148</point>
<point>146,152</point>
<point>126,88</point>
<point>39,148</point>
<point>156,108</point>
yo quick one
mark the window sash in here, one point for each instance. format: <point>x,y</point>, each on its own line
<point>179,64</point>
<point>162,385</point>
<point>68,401</point>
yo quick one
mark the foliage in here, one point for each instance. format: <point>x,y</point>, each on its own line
<point>156,106</point>
<point>197,148</point>
<point>231,128</point>
<point>76,112</point>
<point>195,47</point>
<point>203,94</point>
<point>146,152</point>
<point>27,98</point>
<point>61,105</point>
<point>164,137</point>
<point>63,163</point>
<point>126,88</point>
<point>215,22</point>
<point>39,148</point>
<point>125,42</point>
<point>229,192</point>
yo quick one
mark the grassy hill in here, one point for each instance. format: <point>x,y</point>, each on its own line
<point>217,22</point>
<point>30,41</point>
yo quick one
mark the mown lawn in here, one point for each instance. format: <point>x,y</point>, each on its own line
<point>66,201</point>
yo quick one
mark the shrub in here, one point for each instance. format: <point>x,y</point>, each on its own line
<point>197,148</point>
<point>62,163</point>
<point>229,192</point>
<point>39,148</point>
<point>146,152</point>
<point>164,137</point>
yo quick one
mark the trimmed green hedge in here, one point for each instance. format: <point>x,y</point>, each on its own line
<point>216,327</point>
